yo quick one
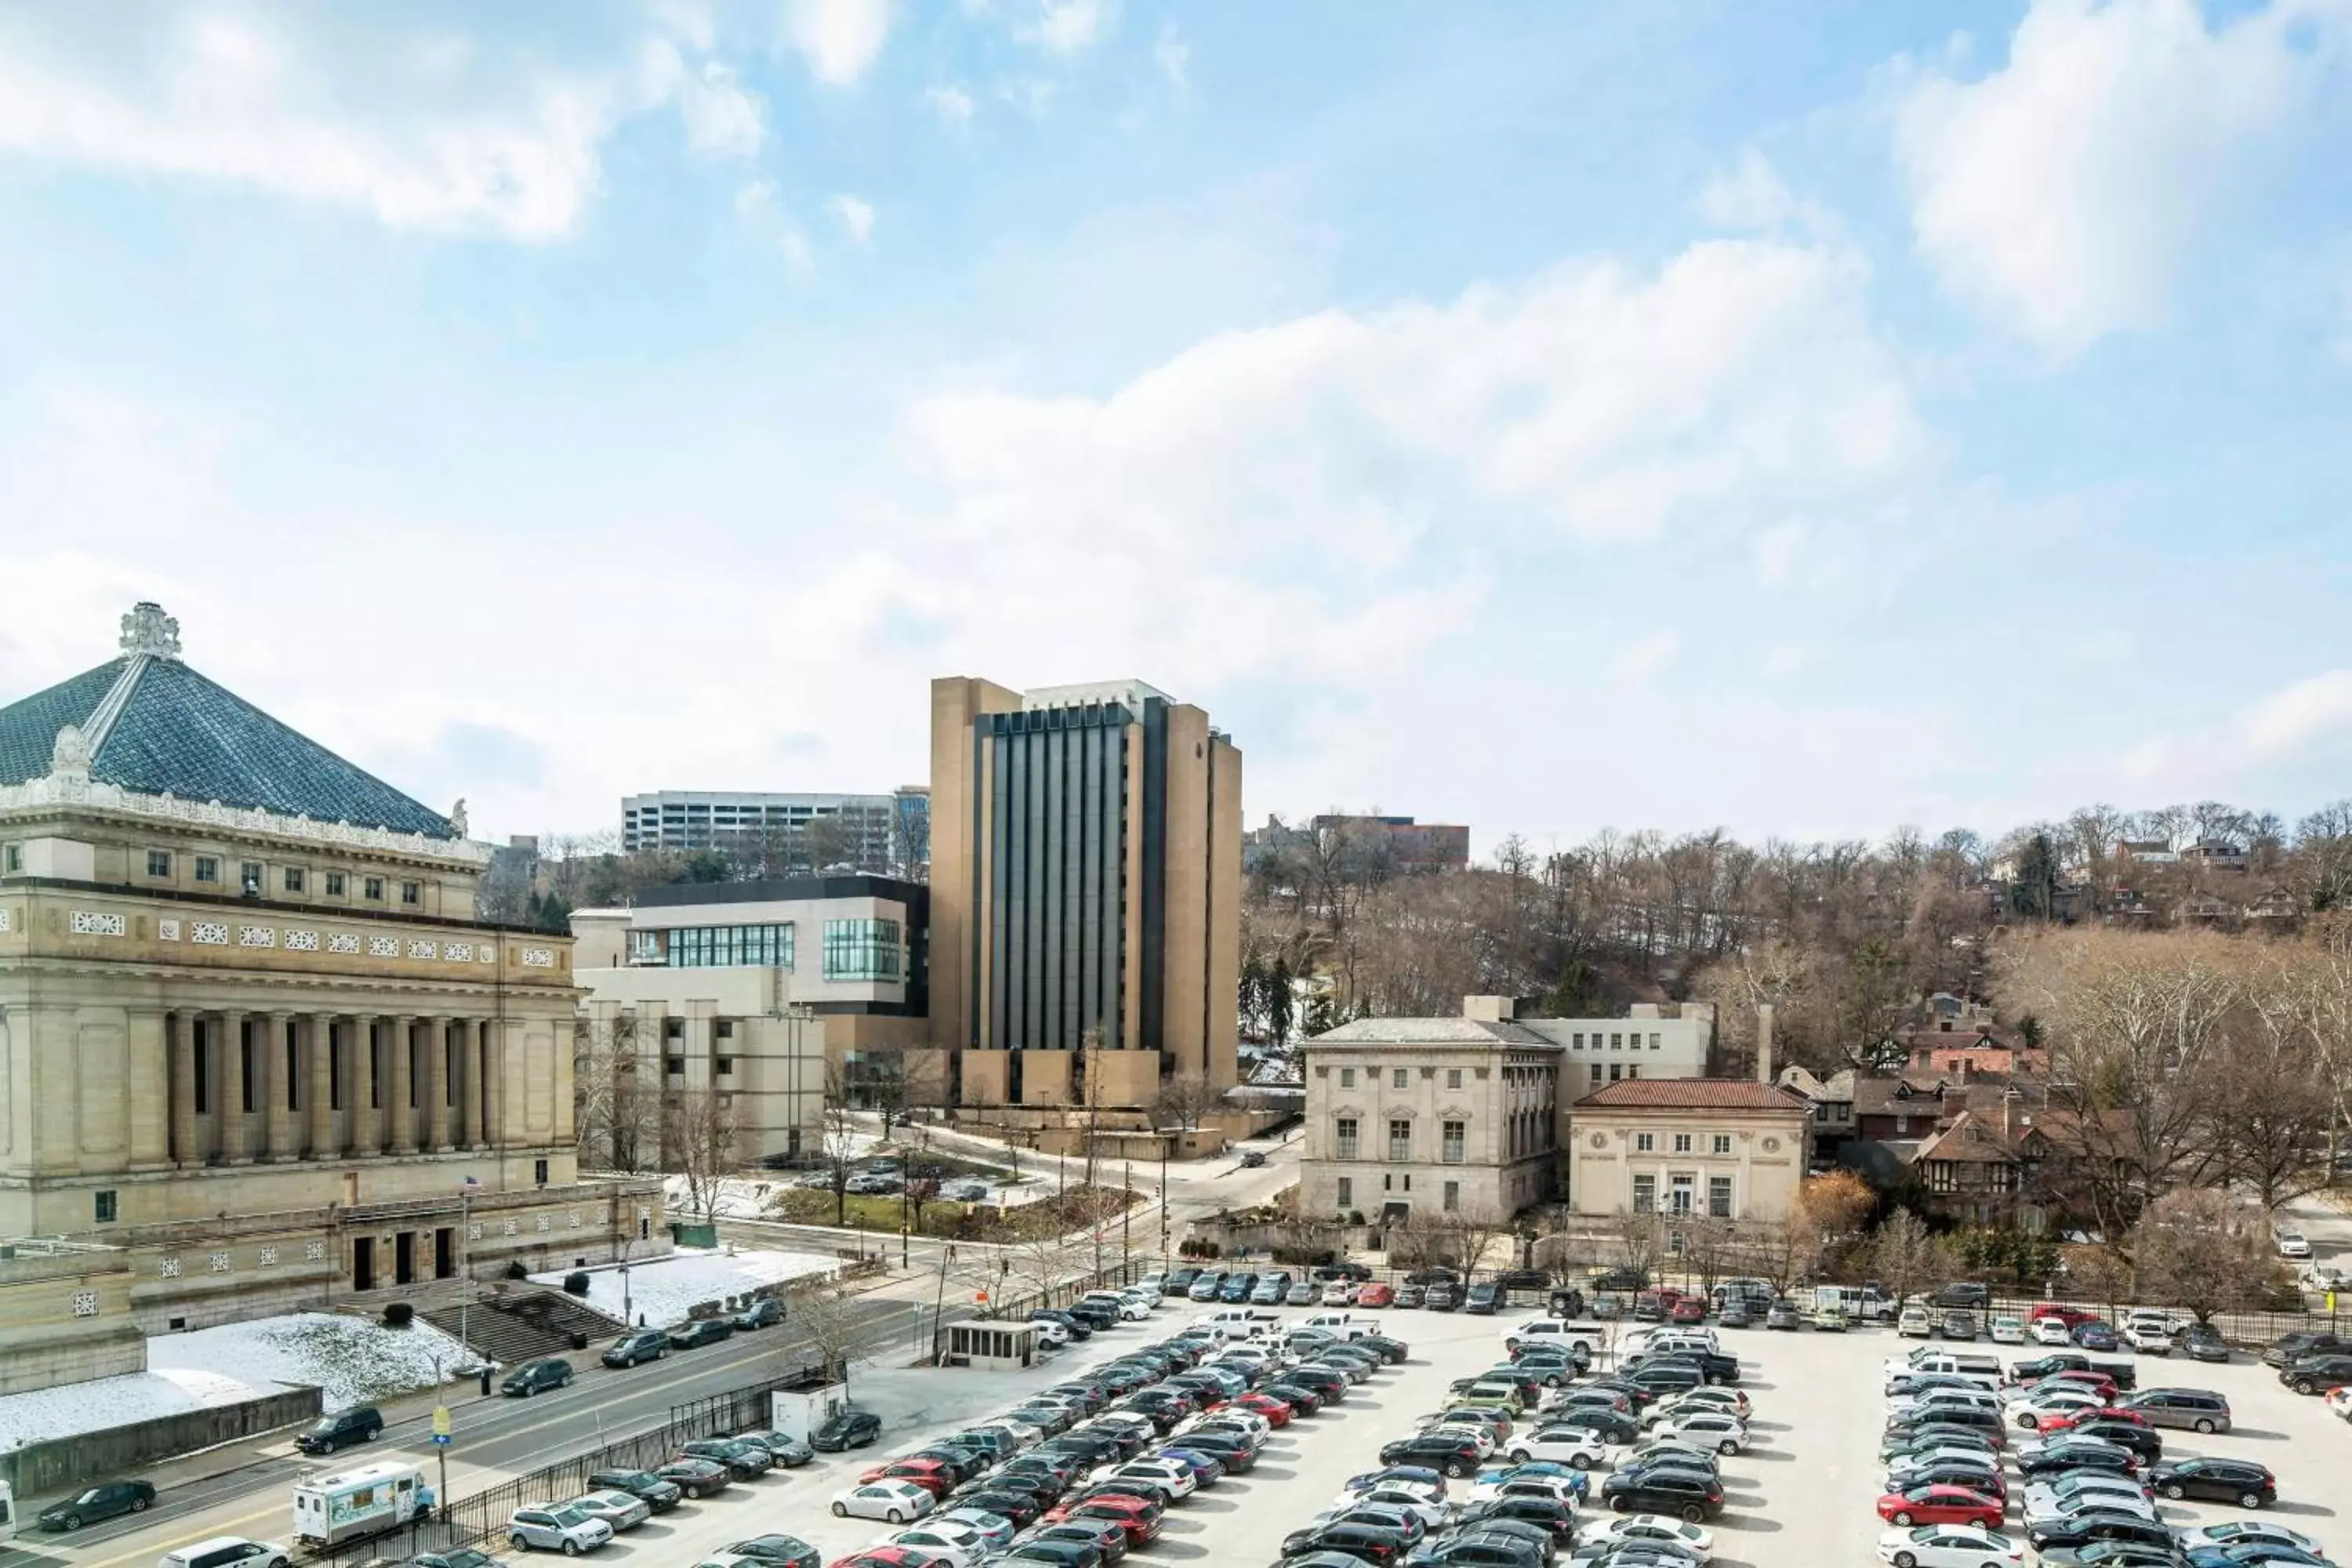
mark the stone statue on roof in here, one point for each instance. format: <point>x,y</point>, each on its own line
<point>458,818</point>
<point>69,758</point>
<point>148,630</point>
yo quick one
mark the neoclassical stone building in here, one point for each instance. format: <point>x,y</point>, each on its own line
<point>255,1052</point>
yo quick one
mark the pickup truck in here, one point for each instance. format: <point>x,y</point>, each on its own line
<point>2124,1374</point>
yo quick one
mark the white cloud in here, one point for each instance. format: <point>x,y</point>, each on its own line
<point>2062,193</point>
<point>1647,657</point>
<point>841,39</point>
<point>793,246</point>
<point>722,117</point>
<point>1174,58</point>
<point>855,216</point>
<point>2292,718</point>
<point>764,217</point>
<point>219,100</point>
<point>1750,195</point>
<point>951,104</point>
<point>1067,26</point>
<point>755,201</point>
<point>1776,552</point>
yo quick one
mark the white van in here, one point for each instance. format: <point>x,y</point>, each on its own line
<point>366,1500</point>
<point>226,1551</point>
<point>1555,1331</point>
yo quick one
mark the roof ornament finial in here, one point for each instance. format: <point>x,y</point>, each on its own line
<point>148,630</point>
<point>458,818</point>
<point>69,758</point>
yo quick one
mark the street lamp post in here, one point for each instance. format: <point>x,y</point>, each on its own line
<point>1163,1202</point>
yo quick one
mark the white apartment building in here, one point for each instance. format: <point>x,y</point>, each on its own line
<point>880,834</point>
<point>1649,1041</point>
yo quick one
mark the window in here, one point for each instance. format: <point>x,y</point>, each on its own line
<point>372,889</point>
<point>723,1066</point>
<point>1450,1141</point>
<point>248,876</point>
<point>673,1029</point>
<point>1721,1144</point>
<point>1682,1143</point>
<point>715,947</point>
<point>1646,1195</point>
<point>1596,1072</point>
<point>1579,1041</point>
<point>1681,1189</point>
<point>1343,1137</point>
<point>1616,1042</point>
<point>411,894</point>
<point>1453,1196</point>
<point>1345,1197</point>
<point>335,882</point>
<point>1718,1196</point>
<point>15,859</point>
<point>861,950</point>
<point>106,1209</point>
<point>1656,1043</point>
<point>159,862</point>
<point>726,1028</point>
<point>1347,1078</point>
<point>673,1065</point>
<point>295,879</point>
<point>1616,1071</point>
<point>1396,1079</point>
<point>1454,1078</point>
<point>1632,1069</point>
<point>1646,1142</point>
<point>539,1171</point>
<point>1399,1138</point>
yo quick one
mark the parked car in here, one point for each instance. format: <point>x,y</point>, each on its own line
<point>894,1501</point>
<point>2318,1374</point>
<point>622,1511</point>
<point>744,1461</point>
<point>658,1494</point>
<point>636,1347</point>
<point>693,1477</point>
<point>2203,1341</point>
<point>783,1550</point>
<point>2241,1481</point>
<point>2006,1329</point>
<point>566,1529</point>
<point>2194,1409</point>
<point>765,1312</point>
<point>854,1429</point>
<point>2097,1335</point>
<point>341,1428</point>
<point>1686,1494</point>
<point>537,1377</point>
<point>1942,1504</point>
<point>789,1452</point>
<point>107,1499</point>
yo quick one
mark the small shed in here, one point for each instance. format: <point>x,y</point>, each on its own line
<point>1000,1346</point>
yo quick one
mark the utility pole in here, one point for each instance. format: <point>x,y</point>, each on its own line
<point>1126,1216</point>
<point>1163,1202</point>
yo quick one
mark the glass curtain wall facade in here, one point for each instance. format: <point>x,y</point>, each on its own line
<point>861,950</point>
<point>716,947</point>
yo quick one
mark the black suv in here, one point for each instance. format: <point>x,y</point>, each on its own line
<point>1478,1549</point>
<point>1483,1298</point>
<point>639,1345</point>
<point>1713,1365</point>
<point>1371,1543</point>
<point>1440,1451</point>
<point>2294,1347</point>
<point>360,1423</point>
<point>536,1377</point>
<point>2318,1374</point>
<point>1686,1494</point>
<point>847,1429</point>
<point>783,1551</point>
<point>2241,1481</point>
<point>2081,1528</point>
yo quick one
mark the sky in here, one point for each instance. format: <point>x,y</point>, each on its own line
<point>1805,419</point>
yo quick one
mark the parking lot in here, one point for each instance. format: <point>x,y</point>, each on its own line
<point>1802,1495</point>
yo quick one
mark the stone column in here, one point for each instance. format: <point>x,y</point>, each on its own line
<point>284,1078</point>
<point>436,1082</point>
<point>317,1039</point>
<point>180,1047</point>
<point>147,1090</point>
<point>402,1047</point>
<point>229,1061</point>
<point>467,1120</point>
<point>492,1090</point>
<point>367,1117</point>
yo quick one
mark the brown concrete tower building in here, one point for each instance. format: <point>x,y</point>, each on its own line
<point>1086,898</point>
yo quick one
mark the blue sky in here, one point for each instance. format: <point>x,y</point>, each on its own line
<point>1803,418</point>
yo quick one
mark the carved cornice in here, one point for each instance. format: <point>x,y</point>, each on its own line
<point>81,792</point>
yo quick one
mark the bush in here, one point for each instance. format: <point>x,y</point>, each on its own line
<point>398,1315</point>
<point>515,1270</point>
<point>576,1282</point>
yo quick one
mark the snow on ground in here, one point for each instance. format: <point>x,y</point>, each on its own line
<point>661,1292</point>
<point>354,1360</point>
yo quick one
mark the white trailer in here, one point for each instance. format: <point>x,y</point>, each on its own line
<point>366,1500</point>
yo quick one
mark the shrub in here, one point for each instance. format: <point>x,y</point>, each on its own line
<point>398,1315</point>
<point>515,1270</point>
<point>576,1282</point>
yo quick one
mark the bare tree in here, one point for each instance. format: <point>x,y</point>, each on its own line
<point>2199,1249</point>
<point>1903,1257</point>
<point>841,1326</point>
<point>838,1140</point>
<point>699,1142</point>
<point>1468,1233</point>
<point>1185,1097</point>
<point>1635,1238</point>
<point>616,1116</point>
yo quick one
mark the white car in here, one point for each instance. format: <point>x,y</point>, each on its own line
<point>894,1501</point>
<point>2148,1338</point>
<point>1915,1324</point>
<point>2291,1244</point>
<point>2045,1499</point>
<point>1949,1546</point>
<point>1725,1433</point>
<point>2006,1330</point>
<point>1176,1478</point>
<point>1339,1293</point>
<point>994,1529</point>
<point>1052,1333</point>
<point>960,1544</point>
<point>1572,1445</point>
<point>1403,1498</point>
<point>1477,1433</point>
<point>566,1529</point>
<point>1558,1487</point>
<point>1156,1282</point>
<point>618,1509</point>
<point>1623,1527</point>
<point>2050,1332</point>
<point>2245,1531</point>
<point>1943,1398</point>
<point>1712,1396</point>
<point>1427,1492</point>
<point>1234,1418</point>
<point>2340,1400</point>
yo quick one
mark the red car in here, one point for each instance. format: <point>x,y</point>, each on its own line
<point>929,1474</point>
<point>1375,1295</point>
<point>884,1557</point>
<point>1940,1505</point>
<point>1276,1411</point>
<point>2098,1382</point>
<point>1140,1517</point>
<point>1689,1309</point>
<point>2059,1420</point>
<point>2070,1316</point>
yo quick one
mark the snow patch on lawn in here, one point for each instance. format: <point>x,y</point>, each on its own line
<point>354,1361</point>
<point>662,1291</point>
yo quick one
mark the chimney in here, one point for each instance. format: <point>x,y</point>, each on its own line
<point>1488,1009</point>
<point>1764,1042</point>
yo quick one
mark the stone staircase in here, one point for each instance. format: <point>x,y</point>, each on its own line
<point>522,1325</point>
